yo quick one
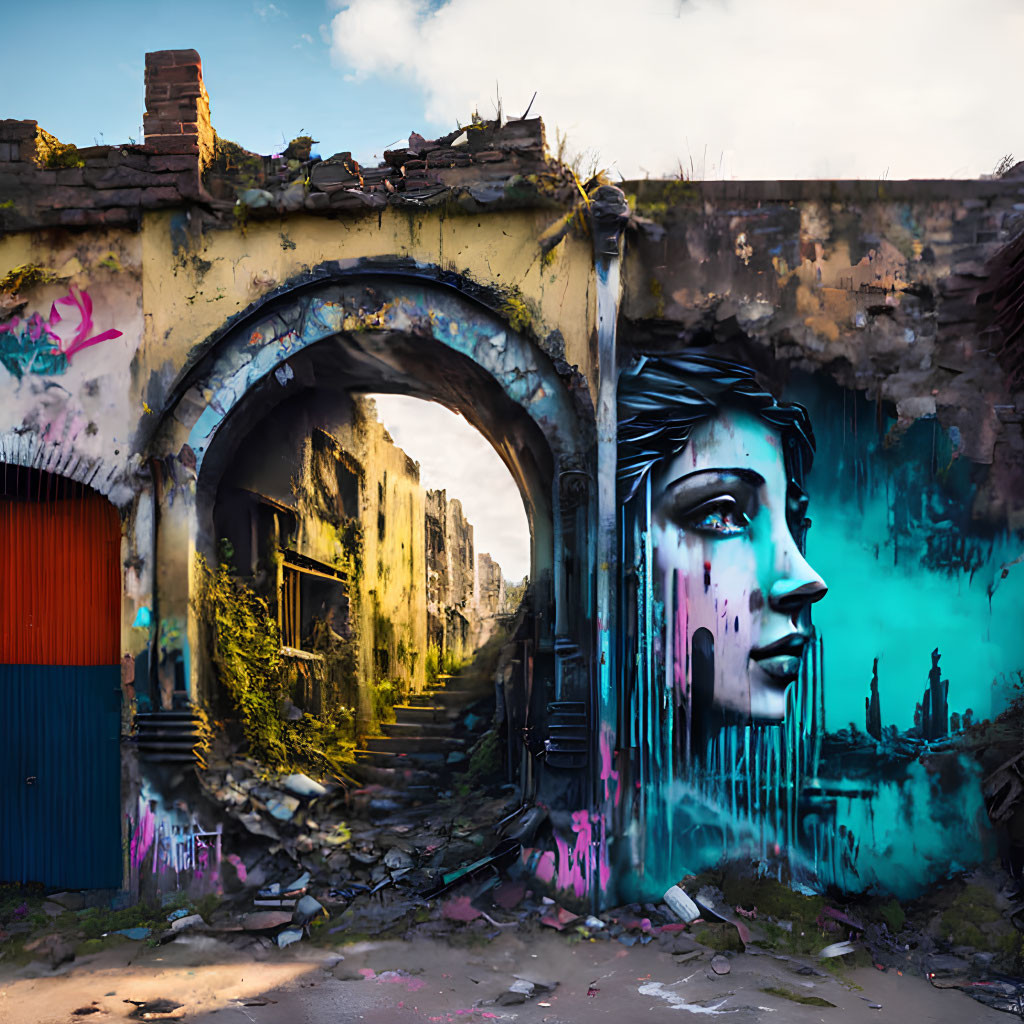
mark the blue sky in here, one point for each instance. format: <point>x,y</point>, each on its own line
<point>267,67</point>
<point>754,89</point>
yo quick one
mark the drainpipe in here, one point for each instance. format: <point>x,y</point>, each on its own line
<point>609,212</point>
<point>156,488</point>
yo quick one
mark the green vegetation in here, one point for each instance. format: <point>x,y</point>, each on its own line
<point>892,914</point>
<point>231,159</point>
<point>720,936</point>
<point>438,664</point>
<point>669,194</point>
<point>658,295</point>
<point>90,929</point>
<point>515,310</point>
<point>775,902</point>
<point>796,997</point>
<point>26,276</point>
<point>484,763</point>
<point>974,920</point>
<point>247,655</point>
<point>61,155</point>
<point>110,262</point>
<point>383,697</point>
<point>300,148</point>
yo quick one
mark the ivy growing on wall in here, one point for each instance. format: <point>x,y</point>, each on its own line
<point>246,650</point>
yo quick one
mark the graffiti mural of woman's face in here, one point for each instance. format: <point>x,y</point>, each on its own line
<point>721,531</point>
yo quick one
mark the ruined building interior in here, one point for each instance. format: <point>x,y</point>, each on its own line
<point>768,441</point>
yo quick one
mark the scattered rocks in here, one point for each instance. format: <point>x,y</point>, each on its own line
<point>52,949</point>
<point>266,920</point>
<point>190,921</point>
<point>303,785</point>
<point>154,1009</point>
<point>518,992</point>
<point>283,807</point>
<point>288,936</point>
<point>308,908</point>
<point>68,900</point>
<point>720,965</point>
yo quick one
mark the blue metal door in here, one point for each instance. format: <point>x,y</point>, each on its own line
<point>60,775</point>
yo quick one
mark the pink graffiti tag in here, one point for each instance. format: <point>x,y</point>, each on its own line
<point>31,354</point>
<point>83,336</point>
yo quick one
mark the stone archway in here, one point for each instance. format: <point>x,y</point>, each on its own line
<point>403,333</point>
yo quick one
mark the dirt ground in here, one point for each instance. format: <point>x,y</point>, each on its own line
<point>441,982</point>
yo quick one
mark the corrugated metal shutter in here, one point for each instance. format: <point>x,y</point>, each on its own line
<point>59,683</point>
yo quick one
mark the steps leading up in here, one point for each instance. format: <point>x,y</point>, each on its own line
<point>430,738</point>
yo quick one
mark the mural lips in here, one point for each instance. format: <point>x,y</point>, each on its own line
<point>780,661</point>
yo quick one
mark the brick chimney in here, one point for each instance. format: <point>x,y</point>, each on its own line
<point>177,118</point>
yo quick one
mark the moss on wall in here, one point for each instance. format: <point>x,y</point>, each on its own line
<point>26,276</point>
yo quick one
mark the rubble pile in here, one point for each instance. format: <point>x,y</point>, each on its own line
<point>485,163</point>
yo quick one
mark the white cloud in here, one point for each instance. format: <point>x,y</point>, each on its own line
<point>772,88</point>
<point>455,456</point>
<point>269,12</point>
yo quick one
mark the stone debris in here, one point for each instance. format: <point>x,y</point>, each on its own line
<point>288,936</point>
<point>190,921</point>
<point>518,992</point>
<point>308,908</point>
<point>154,1009</point>
<point>720,965</point>
<point>52,949</point>
<point>303,785</point>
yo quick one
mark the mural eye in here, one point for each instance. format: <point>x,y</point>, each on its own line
<point>719,518</point>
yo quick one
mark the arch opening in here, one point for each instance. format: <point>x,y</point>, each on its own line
<point>309,356</point>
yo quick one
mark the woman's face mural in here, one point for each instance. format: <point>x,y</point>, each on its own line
<point>723,548</point>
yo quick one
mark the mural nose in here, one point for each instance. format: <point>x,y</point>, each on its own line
<point>790,596</point>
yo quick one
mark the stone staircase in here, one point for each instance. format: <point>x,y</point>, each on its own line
<point>428,743</point>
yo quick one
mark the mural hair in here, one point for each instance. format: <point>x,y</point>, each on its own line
<point>662,399</point>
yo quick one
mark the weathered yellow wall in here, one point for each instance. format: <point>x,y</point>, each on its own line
<point>189,293</point>
<point>169,286</point>
<point>393,596</point>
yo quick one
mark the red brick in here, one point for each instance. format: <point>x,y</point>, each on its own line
<point>180,74</point>
<point>174,110</point>
<point>156,91</point>
<point>171,58</point>
<point>160,126</point>
<point>183,90</point>
<point>180,144</point>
